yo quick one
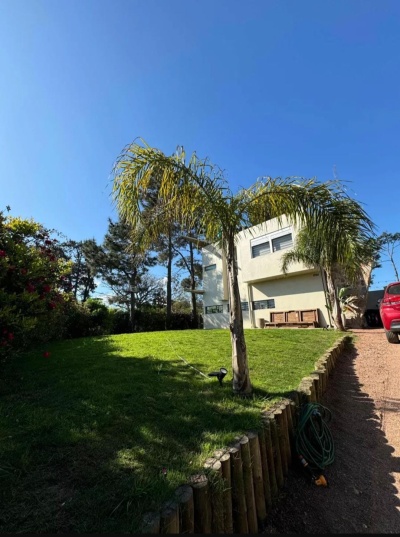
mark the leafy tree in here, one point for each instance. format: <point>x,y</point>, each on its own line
<point>81,278</point>
<point>121,264</point>
<point>387,244</point>
<point>195,193</point>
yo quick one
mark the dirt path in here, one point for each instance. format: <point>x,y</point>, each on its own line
<point>364,481</point>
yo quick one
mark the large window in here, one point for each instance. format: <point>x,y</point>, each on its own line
<point>264,304</point>
<point>271,243</point>
<point>214,309</point>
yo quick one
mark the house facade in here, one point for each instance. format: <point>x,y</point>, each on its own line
<point>264,288</point>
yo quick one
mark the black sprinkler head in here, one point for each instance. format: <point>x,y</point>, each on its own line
<point>219,374</point>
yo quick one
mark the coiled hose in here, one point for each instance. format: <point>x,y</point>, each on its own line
<point>313,440</point>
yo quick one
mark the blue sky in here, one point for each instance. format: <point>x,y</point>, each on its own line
<point>263,87</point>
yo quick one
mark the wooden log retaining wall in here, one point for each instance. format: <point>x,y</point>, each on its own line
<point>241,483</point>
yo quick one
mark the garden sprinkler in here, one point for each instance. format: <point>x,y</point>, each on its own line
<point>219,374</point>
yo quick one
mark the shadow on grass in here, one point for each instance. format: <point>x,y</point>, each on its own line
<point>361,497</point>
<point>90,444</point>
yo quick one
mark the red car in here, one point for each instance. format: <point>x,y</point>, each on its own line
<point>389,309</point>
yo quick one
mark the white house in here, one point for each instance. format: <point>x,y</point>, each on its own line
<point>264,289</point>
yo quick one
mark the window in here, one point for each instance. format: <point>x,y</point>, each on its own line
<point>278,240</point>
<point>393,290</point>
<point>214,309</point>
<point>245,306</point>
<point>264,304</point>
<point>261,249</point>
<point>210,267</point>
<point>282,243</point>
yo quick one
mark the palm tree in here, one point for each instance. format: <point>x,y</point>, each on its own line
<point>339,246</point>
<point>195,193</point>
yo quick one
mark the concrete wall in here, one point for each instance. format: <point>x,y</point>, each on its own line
<point>299,292</point>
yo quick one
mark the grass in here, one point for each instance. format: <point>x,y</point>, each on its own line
<point>85,434</point>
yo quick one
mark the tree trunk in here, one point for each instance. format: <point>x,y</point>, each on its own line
<point>132,305</point>
<point>195,323</point>
<point>394,267</point>
<point>241,377</point>
<point>78,273</point>
<point>169,281</point>
<point>335,302</point>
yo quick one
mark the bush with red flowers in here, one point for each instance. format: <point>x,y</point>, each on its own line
<point>32,272</point>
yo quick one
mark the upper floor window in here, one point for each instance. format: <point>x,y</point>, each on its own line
<point>260,249</point>
<point>283,242</point>
<point>271,243</point>
<point>210,267</point>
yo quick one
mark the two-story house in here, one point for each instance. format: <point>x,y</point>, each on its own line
<point>264,288</point>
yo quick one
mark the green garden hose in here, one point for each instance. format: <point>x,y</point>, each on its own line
<point>313,440</point>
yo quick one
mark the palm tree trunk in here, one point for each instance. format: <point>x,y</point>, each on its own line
<point>241,377</point>
<point>335,302</point>
<point>193,287</point>
<point>169,281</point>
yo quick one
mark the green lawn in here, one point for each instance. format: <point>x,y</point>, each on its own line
<point>86,433</point>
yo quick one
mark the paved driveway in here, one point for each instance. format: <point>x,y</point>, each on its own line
<point>364,481</point>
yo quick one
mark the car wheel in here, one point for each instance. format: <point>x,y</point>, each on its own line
<point>392,337</point>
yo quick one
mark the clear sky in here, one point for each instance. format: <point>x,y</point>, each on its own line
<point>266,87</point>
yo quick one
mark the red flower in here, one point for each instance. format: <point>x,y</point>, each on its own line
<point>30,288</point>
<point>23,271</point>
<point>51,305</point>
<point>10,336</point>
<point>46,354</point>
<point>3,253</point>
<point>46,288</point>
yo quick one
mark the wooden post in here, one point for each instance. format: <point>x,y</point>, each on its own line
<point>184,497</point>
<point>225,460</point>
<point>265,469</point>
<point>273,441</point>
<point>213,468</point>
<point>248,485</point>
<point>316,385</point>
<point>258,483</point>
<point>240,524</point>
<point>151,523</point>
<point>201,500</point>
<point>291,427</point>
<point>280,426</point>
<point>287,426</point>
<point>169,522</point>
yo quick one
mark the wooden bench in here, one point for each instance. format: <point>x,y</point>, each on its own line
<point>299,318</point>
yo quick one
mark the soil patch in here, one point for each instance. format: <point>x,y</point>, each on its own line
<point>363,495</point>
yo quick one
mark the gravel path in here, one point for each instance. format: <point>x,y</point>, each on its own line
<point>364,481</point>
